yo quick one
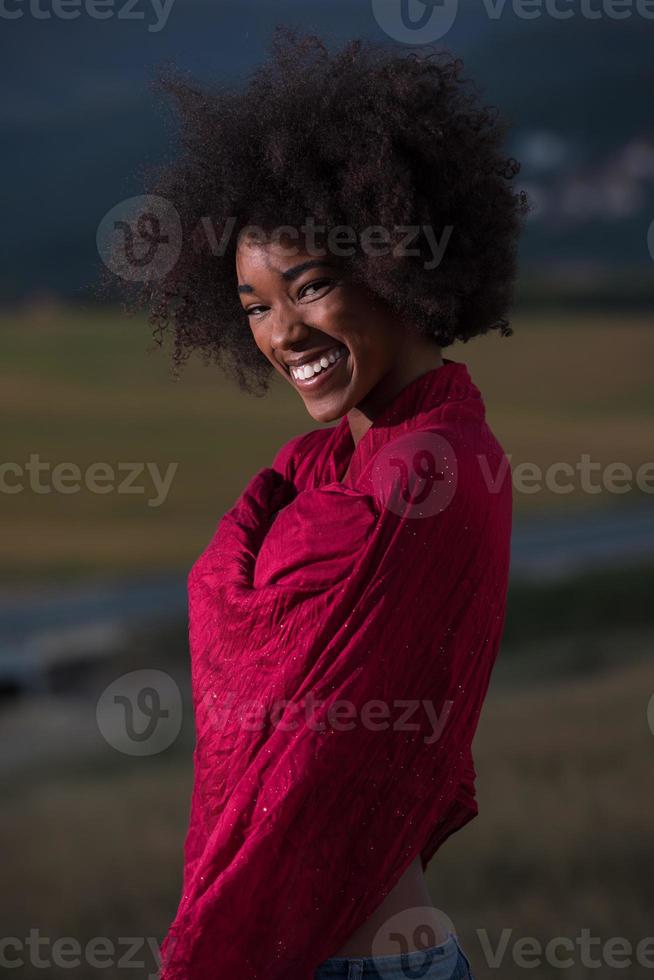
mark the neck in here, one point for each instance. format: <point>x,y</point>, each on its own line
<point>423,358</point>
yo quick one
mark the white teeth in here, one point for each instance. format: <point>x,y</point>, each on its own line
<point>308,370</point>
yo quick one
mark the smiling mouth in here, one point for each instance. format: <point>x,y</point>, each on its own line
<point>314,372</point>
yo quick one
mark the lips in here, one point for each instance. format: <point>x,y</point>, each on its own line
<point>316,366</point>
<point>311,373</point>
<point>297,362</point>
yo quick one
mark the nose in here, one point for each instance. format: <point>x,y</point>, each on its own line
<point>288,328</point>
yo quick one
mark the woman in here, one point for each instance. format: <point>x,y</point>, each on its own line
<point>346,217</point>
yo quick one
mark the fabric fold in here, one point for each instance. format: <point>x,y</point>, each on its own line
<point>342,637</point>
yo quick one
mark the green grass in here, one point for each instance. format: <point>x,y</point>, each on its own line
<point>562,843</point>
<point>84,386</point>
<point>563,751</point>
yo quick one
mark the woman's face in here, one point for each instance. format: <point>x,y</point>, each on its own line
<point>303,311</point>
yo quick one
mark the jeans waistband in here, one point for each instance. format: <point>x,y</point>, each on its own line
<point>441,961</point>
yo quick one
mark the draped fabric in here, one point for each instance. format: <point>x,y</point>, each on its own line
<point>342,637</point>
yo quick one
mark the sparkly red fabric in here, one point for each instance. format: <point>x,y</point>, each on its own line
<point>342,637</point>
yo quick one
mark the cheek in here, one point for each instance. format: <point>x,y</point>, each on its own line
<point>367,343</point>
<point>331,313</point>
<point>339,317</point>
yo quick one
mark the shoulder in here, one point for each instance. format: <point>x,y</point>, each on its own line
<point>452,471</point>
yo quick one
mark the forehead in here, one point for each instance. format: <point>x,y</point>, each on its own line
<point>278,253</point>
<point>280,260</point>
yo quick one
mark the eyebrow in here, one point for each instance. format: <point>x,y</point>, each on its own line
<point>293,272</point>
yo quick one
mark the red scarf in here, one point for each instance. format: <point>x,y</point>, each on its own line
<point>342,638</point>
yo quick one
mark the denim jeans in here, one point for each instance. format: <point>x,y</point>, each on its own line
<point>444,962</point>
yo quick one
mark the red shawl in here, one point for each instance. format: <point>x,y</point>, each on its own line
<point>342,637</point>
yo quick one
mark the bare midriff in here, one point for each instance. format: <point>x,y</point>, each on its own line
<point>419,925</point>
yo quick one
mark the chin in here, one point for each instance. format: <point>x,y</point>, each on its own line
<point>325,415</point>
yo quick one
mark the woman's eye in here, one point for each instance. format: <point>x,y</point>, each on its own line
<point>316,284</point>
<point>308,291</point>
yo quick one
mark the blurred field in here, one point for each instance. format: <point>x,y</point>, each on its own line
<point>564,751</point>
<point>563,841</point>
<point>80,386</point>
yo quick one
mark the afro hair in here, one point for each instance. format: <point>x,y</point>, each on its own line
<point>363,137</point>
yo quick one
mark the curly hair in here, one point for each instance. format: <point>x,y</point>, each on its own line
<point>358,138</point>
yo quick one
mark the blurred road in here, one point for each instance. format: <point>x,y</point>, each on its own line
<point>44,626</point>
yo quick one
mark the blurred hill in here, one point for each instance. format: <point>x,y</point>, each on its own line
<point>80,123</point>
